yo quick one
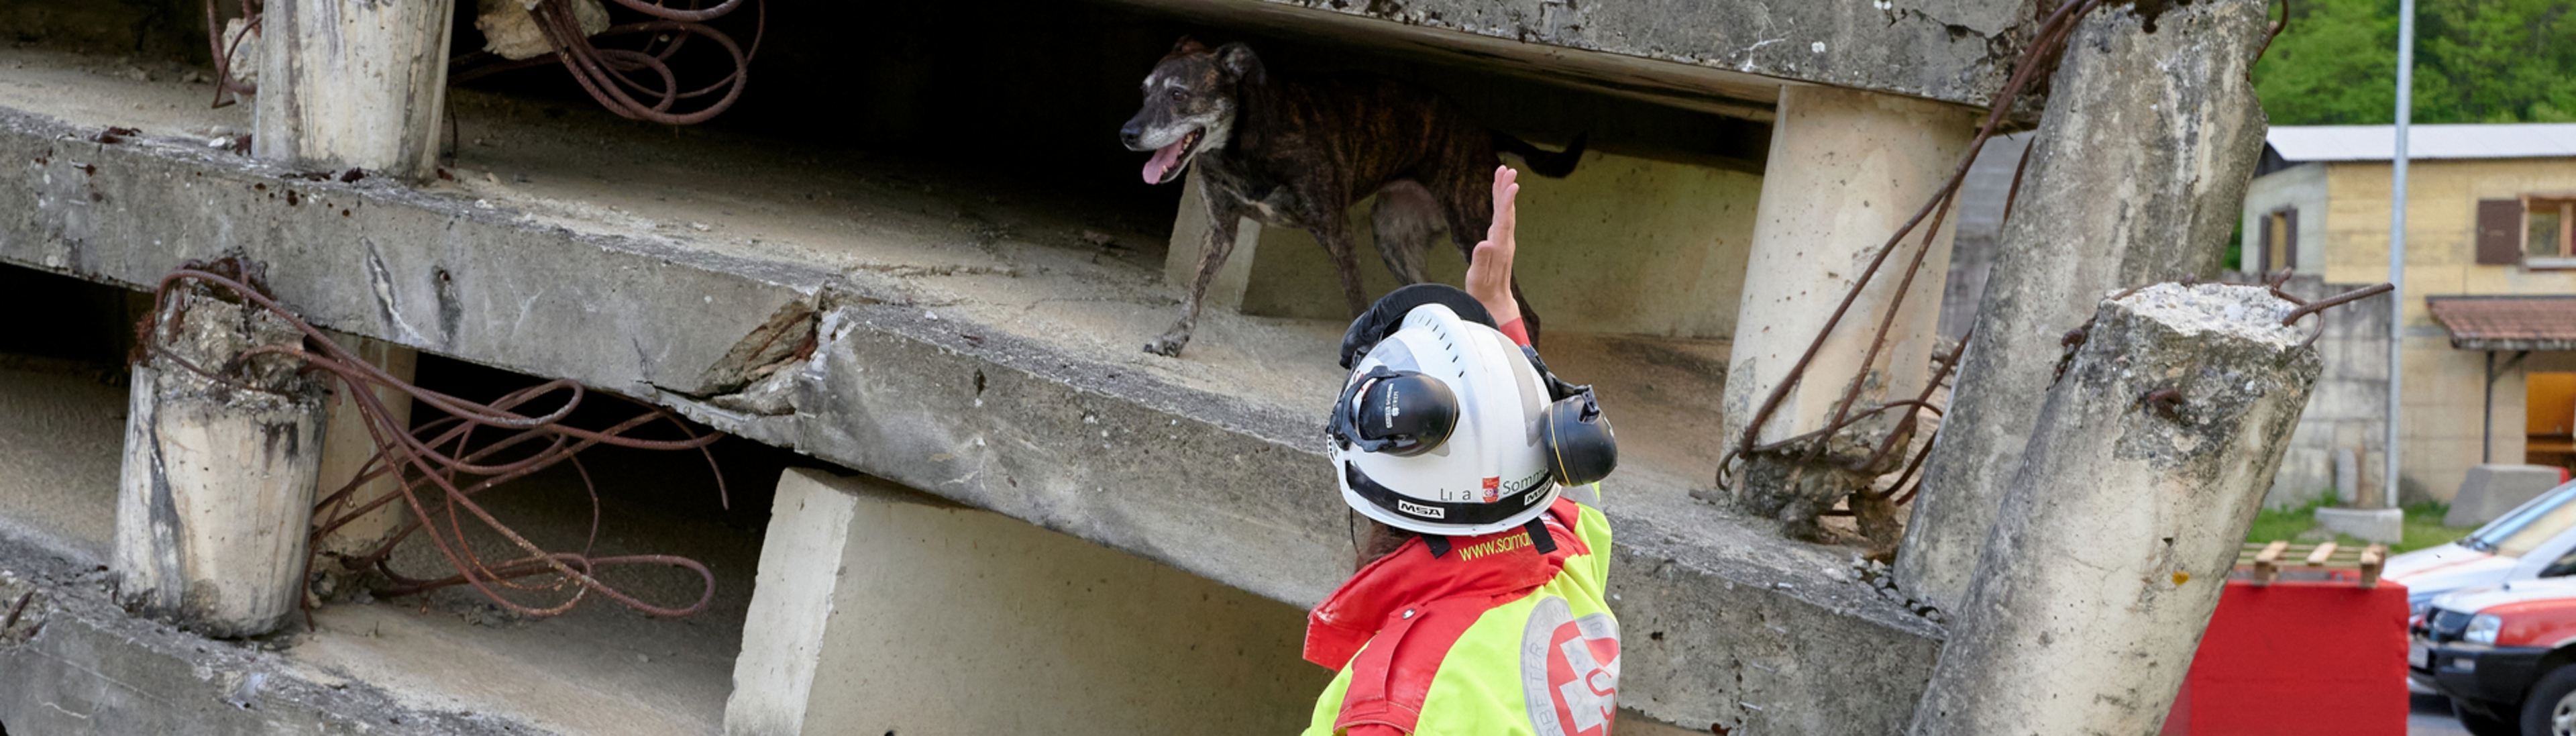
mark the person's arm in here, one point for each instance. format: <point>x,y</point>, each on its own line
<point>1489,268</point>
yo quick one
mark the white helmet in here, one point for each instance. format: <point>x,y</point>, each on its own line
<point>1438,429</point>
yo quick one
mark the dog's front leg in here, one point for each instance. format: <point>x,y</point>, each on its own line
<point>1213,251</point>
<point>1336,238</point>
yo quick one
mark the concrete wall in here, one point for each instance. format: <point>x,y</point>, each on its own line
<point>2348,403</point>
<point>2302,187</point>
<point>1624,245</point>
<point>2445,387</point>
<point>883,610</point>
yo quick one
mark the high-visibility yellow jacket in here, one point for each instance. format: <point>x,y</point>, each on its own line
<point>1496,635</point>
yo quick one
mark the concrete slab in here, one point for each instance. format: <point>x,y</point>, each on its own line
<point>76,663</point>
<point>2386,526</point>
<point>970,344</point>
<point>2492,490</point>
<point>1716,55</point>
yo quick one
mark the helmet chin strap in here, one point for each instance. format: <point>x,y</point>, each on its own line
<point>1544,542</point>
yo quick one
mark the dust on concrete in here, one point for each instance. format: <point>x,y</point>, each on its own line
<point>2250,312</point>
<point>64,430</point>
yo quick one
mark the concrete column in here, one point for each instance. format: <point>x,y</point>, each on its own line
<point>215,499</point>
<point>2149,462</point>
<point>1846,169</point>
<point>882,610</point>
<point>347,446</point>
<point>351,83</point>
<point>2136,174</point>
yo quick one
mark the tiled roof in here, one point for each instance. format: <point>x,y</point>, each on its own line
<point>2507,322</point>
<point>2296,143</point>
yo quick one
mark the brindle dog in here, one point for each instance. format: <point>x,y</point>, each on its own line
<point>1299,153</point>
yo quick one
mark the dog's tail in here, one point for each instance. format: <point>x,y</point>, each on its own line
<point>1551,165</point>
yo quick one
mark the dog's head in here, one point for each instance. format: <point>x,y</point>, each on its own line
<point>1189,105</point>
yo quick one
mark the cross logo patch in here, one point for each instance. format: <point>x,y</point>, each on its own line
<point>1570,670</point>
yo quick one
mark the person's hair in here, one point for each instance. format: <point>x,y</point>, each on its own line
<point>1373,540</point>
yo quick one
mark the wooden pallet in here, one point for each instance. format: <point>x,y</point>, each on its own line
<point>2262,562</point>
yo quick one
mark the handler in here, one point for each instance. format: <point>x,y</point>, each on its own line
<point>1479,607</point>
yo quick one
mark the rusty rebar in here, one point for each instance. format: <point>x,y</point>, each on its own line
<point>2053,32</point>
<point>223,51</point>
<point>414,458</point>
<point>607,75</point>
<point>2335,301</point>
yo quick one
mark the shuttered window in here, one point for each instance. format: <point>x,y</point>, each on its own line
<point>2500,232</point>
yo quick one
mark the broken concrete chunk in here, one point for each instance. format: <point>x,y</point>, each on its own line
<point>510,32</point>
<point>2150,458</point>
<point>245,51</point>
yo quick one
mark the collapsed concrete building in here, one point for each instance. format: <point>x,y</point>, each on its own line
<point>999,515</point>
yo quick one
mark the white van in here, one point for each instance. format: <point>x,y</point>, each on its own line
<point>2532,541</point>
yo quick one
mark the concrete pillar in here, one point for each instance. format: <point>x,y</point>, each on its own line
<point>347,446</point>
<point>215,499</point>
<point>882,610</point>
<point>2149,462</point>
<point>350,83</point>
<point>1846,169</point>
<point>2136,175</point>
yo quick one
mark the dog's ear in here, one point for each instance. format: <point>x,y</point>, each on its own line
<point>1187,46</point>
<point>1239,63</point>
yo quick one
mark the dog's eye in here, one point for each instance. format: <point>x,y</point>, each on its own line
<point>1180,94</point>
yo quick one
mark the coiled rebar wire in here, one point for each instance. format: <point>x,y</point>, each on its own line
<point>604,73</point>
<point>607,74</point>
<point>2029,71</point>
<point>415,458</point>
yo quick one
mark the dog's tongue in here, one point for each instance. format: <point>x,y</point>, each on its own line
<point>1164,160</point>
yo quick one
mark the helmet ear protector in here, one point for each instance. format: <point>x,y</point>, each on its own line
<point>1400,413</point>
<point>1581,449</point>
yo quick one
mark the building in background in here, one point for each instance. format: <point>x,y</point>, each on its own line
<point>2490,319</point>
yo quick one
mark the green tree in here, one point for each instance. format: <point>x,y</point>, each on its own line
<point>2504,61</point>
<point>2477,61</point>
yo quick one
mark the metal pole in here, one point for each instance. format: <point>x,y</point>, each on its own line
<point>2397,243</point>
<point>2486,419</point>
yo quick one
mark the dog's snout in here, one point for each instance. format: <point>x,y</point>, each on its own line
<point>1132,134</point>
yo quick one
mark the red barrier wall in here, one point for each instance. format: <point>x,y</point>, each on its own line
<point>2298,658</point>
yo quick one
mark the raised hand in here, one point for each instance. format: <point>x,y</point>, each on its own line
<point>1489,269</point>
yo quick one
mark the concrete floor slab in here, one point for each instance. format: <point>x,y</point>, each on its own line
<point>973,344</point>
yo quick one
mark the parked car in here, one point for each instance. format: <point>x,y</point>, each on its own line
<point>2503,656</point>
<point>2528,542</point>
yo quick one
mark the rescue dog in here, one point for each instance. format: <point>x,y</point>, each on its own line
<point>1299,153</point>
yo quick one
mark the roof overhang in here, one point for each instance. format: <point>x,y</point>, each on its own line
<point>2304,143</point>
<point>2535,323</point>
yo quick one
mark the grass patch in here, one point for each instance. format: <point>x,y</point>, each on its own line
<point>2423,526</point>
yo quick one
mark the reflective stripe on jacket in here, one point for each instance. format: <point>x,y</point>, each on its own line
<point>1493,638</point>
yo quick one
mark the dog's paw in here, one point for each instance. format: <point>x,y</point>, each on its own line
<point>1169,345</point>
